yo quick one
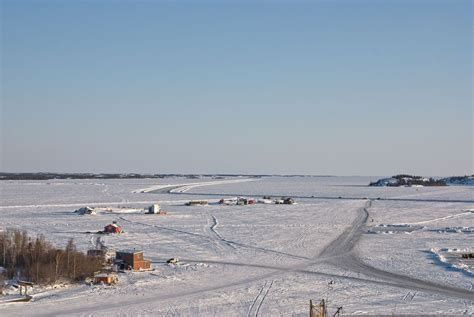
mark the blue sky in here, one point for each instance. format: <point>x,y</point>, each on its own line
<point>322,87</point>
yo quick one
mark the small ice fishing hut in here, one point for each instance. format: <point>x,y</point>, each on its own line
<point>154,209</point>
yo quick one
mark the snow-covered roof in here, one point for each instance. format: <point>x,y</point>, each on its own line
<point>130,251</point>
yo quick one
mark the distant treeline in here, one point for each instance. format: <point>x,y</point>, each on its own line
<point>430,182</point>
<point>460,179</point>
<point>404,179</point>
<point>38,261</point>
<point>48,176</point>
<point>410,180</point>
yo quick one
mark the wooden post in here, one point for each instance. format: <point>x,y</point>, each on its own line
<point>322,308</point>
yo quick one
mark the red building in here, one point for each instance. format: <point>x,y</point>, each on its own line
<point>113,228</point>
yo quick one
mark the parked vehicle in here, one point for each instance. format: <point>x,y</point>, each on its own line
<point>173,261</point>
<point>288,201</point>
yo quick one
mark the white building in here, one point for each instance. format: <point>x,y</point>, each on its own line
<point>154,209</point>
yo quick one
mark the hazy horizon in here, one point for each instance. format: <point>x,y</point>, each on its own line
<point>323,88</point>
<point>236,174</point>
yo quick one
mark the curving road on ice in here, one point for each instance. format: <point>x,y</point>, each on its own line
<point>183,188</point>
<point>343,248</point>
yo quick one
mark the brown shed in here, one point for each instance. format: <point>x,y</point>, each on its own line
<point>132,260</point>
<point>106,278</point>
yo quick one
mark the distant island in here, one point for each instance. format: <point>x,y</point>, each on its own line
<point>404,180</point>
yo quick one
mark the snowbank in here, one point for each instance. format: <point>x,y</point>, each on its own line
<point>451,259</point>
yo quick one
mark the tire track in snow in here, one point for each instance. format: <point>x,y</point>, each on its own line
<point>346,241</point>
<point>94,309</point>
<point>217,242</point>
<point>217,234</point>
<point>256,299</point>
<point>200,236</point>
<point>212,288</point>
<point>263,298</point>
<point>380,280</point>
<point>469,212</point>
<point>344,244</point>
<point>300,240</point>
<point>353,263</point>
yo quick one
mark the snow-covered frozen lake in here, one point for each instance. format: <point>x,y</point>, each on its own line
<point>371,250</point>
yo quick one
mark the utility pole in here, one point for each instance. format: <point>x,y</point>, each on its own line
<point>322,308</point>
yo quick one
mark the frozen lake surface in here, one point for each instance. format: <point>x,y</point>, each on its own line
<point>371,250</point>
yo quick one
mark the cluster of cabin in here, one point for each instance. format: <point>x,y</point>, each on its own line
<point>243,201</point>
<point>134,260</point>
<point>153,209</point>
<point>118,261</point>
<point>239,201</point>
<point>277,201</point>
